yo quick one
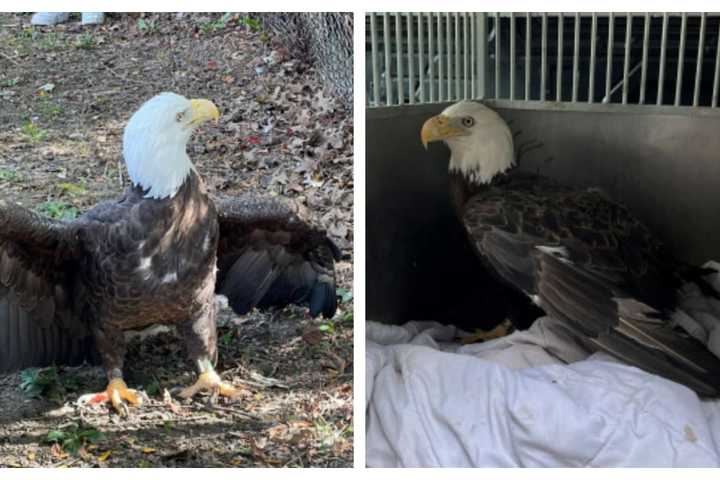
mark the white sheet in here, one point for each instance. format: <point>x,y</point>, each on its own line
<point>511,402</point>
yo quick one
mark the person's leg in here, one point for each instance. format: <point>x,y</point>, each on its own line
<point>49,18</point>
<point>93,18</point>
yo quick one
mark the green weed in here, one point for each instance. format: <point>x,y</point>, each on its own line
<point>32,131</point>
<point>73,438</point>
<point>58,210</point>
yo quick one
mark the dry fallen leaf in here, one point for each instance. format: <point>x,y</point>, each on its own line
<point>312,335</point>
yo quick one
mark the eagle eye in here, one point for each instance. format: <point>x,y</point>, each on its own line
<point>468,121</point>
<point>179,116</point>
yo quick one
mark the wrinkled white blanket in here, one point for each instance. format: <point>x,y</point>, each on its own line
<point>510,402</point>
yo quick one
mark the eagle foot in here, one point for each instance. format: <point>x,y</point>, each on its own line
<point>116,393</point>
<point>210,381</point>
<point>505,328</point>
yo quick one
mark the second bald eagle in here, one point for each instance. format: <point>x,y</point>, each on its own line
<point>581,257</point>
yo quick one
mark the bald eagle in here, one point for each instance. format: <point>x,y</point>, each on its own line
<point>158,255</point>
<point>581,257</point>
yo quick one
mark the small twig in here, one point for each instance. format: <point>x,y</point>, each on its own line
<point>122,77</point>
<point>238,413</point>
<point>10,59</point>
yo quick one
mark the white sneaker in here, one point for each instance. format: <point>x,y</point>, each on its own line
<point>49,18</point>
<point>93,18</point>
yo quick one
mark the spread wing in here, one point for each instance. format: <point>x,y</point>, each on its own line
<point>590,263</point>
<point>38,323</point>
<point>270,255</point>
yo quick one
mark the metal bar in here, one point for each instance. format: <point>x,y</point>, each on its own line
<point>593,52</point>
<point>466,52</point>
<point>716,79</point>
<point>643,74</point>
<point>421,55</point>
<point>411,59</point>
<point>431,57</point>
<point>681,60</point>
<point>398,60</point>
<point>473,55</point>
<point>528,32</point>
<point>543,60</point>
<point>698,65</point>
<point>513,62</point>
<point>441,83</point>
<point>558,81</point>
<point>375,60</point>
<point>457,56</point>
<point>449,52</point>
<point>626,62</point>
<point>663,52</point>
<point>608,68</point>
<point>388,59</point>
<point>622,81</point>
<point>481,38</point>
<point>497,55</point>
<point>576,58</point>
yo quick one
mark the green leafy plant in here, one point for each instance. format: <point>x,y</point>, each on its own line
<point>49,41</point>
<point>72,189</point>
<point>9,82</point>
<point>345,295</point>
<point>85,41</point>
<point>215,25</point>
<point>49,109</point>
<point>327,327</point>
<point>147,26</point>
<point>35,133</point>
<point>58,210</point>
<point>253,24</point>
<point>73,438</point>
<point>7,175</point>
<point>227,337</point>
<point>36,383</point>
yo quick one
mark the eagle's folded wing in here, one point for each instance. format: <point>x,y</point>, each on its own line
<point>270,255</point>
<point>609,294</point>
<point>39,325</point>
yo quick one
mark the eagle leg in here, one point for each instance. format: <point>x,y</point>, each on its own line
<point>116,393</point>
<point>209,380</point>
<point>505,328</point>
<point>200,336</point>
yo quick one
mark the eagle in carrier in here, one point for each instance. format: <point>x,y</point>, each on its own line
<point>158,255</point>
<point>582,258</point>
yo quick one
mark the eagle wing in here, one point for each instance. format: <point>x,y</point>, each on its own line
<point>587,261</point>
<point>269,254</point>
<point>39,325</point>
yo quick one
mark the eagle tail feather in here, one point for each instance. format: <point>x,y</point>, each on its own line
<point>573,294</point>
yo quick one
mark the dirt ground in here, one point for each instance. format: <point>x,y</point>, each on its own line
<point>66,93</point>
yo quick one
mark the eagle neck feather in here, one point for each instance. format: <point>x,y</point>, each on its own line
<point>157,164</point>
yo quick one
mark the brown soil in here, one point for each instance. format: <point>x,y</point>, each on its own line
<point>66,93</point>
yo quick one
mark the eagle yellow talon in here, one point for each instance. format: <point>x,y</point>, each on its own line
<point>499,331</point>
<point>116,393</point>
<point>209,381</point>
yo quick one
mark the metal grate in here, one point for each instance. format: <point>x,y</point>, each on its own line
<point>663,59</point>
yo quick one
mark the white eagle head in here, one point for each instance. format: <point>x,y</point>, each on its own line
<point>155,141</point>
<point>480,142</point>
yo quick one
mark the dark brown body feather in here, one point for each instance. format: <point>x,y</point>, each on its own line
<point>598,268</point>
<point>70,289</point>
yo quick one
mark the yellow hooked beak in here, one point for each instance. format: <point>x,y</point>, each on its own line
<point>202,110</point>
<point>438,128</point>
